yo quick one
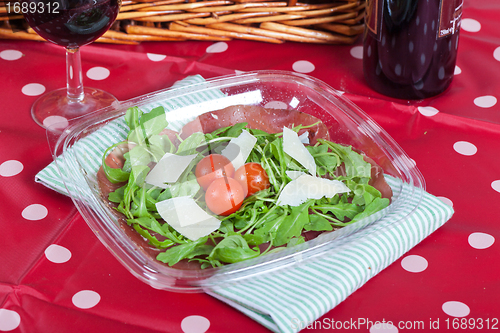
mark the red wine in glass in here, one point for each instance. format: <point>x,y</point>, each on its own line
<point>71,24</point>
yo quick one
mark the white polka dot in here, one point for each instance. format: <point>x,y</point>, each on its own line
<point>465,148</point>
<point>33,89</point>
<point>10,168</point>
<point>480,240</point>
<point>9,320</point>
<point>386,327</point>
<point>357,52</point>
<point>156,57</point>
<point>458,70</point>
<point>496,53</point>
<point>217,47</point>
<point>276,105</point>
<point>98,73</point>
<point>303,66</point>
<point>11,55</point>
<point>410,162</point>
<point>428,111</point>
<point>496,185</point>
<point>86,299</point>
<point>56,122</point>
<point>414,263</point>
<point>195,324</point>
<point>455,309</point>
<point>446,201</point>
<point>34,212</point>
<point>57,254</point>
<point>485,101</point>
<point>470,25</point>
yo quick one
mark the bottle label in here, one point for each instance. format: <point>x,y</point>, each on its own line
<point>373,16</point>
<point>450,17</point>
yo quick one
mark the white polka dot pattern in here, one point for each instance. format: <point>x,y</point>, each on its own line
<point>218,47</point>
<point>471,25</point>
<point>446,201</point>
<point>56,122</point>
<point>10,55</point>
<point>34,212</point>
<point>11,168</point>
<point>195,324</point>
<point>86,299</point>
<point>33,89</point>
<point>428,111</point>
<point>276,105</point>
<point>303,66</point>
<point>496,185</point>
<point>487,101</point>
<point>57,254</point>
<point>9,320</point>
<point>496,53</point>
<point>156,57</point>
<point>456,309</point>
<point>383,327</point>
<point>98,73</point>
<point>465,148</point>
<point>480,240</point>
<point>414,263</point>
<point>357,52</point>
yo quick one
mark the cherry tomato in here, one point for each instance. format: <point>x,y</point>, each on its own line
<point>212,167</point>
<point>224,196</point>
<point>252,177</point>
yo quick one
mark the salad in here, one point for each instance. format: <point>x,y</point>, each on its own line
<point>236,192</point>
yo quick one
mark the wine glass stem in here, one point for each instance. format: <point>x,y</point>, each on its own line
<point>74,75</point>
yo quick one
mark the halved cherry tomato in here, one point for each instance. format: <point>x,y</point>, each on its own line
<point>252,177</point>
<point>224,196</point>
<point>212,167</point>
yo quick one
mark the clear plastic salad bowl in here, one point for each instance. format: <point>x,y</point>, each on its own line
<point>78,151</point>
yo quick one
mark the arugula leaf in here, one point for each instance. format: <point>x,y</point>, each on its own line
<point>295,241</point>
<point>327,162</point>
<point>318,223</point>
<point>341,210</point>
<point>189,145</point>
<point>188,187</point>
<point>159,145</point>
<point>132,117</point>
<point>183,251</point>
<point>114,175</point>
<point>376,205</point>
<point>233,249</point>
<point>154,121</point>
<point>293,224</point>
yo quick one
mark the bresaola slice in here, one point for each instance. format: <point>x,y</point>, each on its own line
<point>257,117</point>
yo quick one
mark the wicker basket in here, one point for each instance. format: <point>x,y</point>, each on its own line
<point>339,22</point>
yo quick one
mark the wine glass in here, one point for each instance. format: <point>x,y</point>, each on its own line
<point>72,24</point>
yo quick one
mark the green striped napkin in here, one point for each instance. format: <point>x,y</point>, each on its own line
<point>284,300</point>
<point>289,300</point>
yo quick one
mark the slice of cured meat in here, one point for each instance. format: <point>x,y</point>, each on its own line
<point>257,117</point>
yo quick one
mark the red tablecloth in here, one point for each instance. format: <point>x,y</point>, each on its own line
<point>55,276</point>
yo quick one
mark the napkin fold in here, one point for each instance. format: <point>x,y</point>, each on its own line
<point>289,300</point>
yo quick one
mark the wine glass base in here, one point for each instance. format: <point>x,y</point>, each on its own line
<point>55,109</point>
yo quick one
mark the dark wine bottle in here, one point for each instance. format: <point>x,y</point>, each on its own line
<point>410,46</point>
